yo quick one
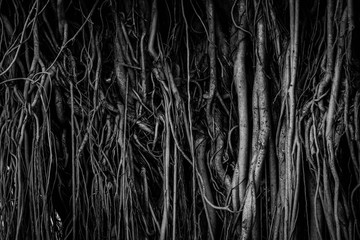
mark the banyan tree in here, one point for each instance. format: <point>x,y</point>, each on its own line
<point>179,119</point>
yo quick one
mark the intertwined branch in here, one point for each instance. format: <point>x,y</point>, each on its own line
<point>179,119</point>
